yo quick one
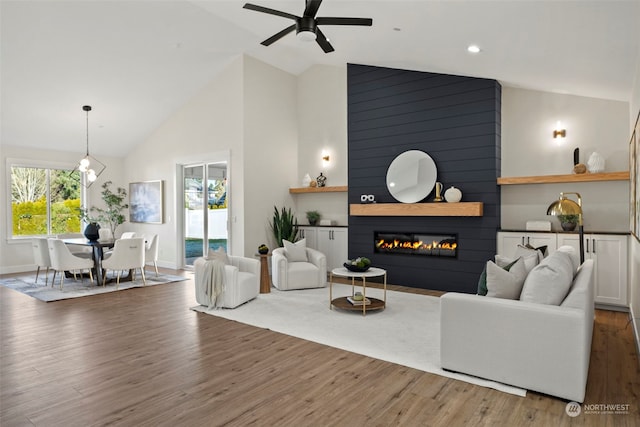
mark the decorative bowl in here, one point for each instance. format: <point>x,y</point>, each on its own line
<point>355,268</point>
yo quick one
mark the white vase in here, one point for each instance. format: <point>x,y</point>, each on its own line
<point>595,163</point>
<point>306,181</point>
<point>453,195</point>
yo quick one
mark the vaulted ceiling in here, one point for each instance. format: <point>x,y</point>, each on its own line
<point>135,62</point>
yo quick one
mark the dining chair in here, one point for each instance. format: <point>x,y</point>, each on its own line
<point>128,235</point>
<point>105,234</point>
<point>63,260</point>
<point>127,254</point>
<point>41,256</point>
<point>77,250</point>
<point>151,252</point>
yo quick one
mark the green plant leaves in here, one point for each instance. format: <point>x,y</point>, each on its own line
<point>284,225</point>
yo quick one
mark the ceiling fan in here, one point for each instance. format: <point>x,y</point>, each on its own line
<point>306,26</point>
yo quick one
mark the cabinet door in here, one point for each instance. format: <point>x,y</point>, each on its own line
<point>309,233</point>
<point>508,241</point>
<point>332,241</point>
<point>609,253</point>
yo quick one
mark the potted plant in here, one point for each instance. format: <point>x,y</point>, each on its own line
<point>110,216</point>
<point>313,217</point>
<point>568,222</point>
<point>284,226</point>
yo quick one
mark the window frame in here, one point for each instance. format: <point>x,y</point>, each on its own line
<point>38,164</point>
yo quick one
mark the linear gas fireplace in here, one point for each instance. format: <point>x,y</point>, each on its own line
<point>427,244</point>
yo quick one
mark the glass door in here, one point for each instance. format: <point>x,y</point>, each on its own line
<point>205,210</point>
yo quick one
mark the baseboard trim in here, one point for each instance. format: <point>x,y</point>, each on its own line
<point>18,269</point>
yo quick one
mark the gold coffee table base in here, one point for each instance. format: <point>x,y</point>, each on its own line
<point>344,304</point>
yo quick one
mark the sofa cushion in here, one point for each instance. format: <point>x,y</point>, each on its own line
<point>530,261</point>
<point>575,256</point>
<point>505,284</point>
<point>296,252</point>
<point>482,281</point>
<point>550,281</point>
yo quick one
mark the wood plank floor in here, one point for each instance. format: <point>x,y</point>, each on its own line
<point>140,357</point>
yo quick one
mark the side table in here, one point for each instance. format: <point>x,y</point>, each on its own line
<point>265,279</point>
<point>343,302</point>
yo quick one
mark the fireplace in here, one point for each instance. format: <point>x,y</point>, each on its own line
<point>425,244</point>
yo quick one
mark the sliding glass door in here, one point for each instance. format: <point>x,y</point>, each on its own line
<point>205,209</point>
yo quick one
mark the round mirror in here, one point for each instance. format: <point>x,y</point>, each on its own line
<point>411,176</point>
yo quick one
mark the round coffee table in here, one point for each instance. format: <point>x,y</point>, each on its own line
<point>344,302</point>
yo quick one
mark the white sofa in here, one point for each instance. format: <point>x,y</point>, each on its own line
<point>539,347</point>
<point>241,284</point>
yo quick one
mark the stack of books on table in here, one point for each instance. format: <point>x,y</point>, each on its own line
<point>366,301</point>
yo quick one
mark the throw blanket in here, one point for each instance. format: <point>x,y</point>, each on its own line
<point>210,276</point>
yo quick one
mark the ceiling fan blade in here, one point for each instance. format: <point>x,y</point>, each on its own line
<point>312,8</point>
<point>367,22</point>
<point>269,11</point>
<point>323,42</point>
<point>279,35</point>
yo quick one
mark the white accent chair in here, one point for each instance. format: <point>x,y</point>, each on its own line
<point>290,272</point>
<point>127,254</point>
<point>41,256</point>
<point>241,281</point>
<point>63,260</point>
<point>77,250</point>
<point>151,252</point>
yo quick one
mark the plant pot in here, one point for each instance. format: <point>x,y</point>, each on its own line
<point>568,226</point>
<point>91,232</point>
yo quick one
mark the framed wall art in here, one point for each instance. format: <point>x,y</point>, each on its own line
<point>634,180</point>
<point>146,202</point>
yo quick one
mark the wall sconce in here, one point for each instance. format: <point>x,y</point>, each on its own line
<point>325,158</point>
<point>559,132</point>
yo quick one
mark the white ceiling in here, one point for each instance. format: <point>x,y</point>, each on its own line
<point>135,62</point>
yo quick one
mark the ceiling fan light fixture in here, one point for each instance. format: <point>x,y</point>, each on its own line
<point>306,35</point>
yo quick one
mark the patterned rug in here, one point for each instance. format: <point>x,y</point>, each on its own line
<point>77,288</point>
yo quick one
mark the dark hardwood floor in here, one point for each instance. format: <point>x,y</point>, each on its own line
<point>140,357</point>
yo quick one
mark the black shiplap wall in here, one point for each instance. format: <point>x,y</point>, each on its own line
<point>454,119</point>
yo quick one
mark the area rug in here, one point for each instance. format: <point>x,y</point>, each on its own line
<point>406,332</point>
<point>77,288</point>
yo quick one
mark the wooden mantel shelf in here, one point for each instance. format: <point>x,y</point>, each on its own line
<point>417,209</point>
<point>552,179</point>
<point>335,189</point>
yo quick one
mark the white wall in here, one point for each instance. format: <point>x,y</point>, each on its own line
<point>16,255</point>
<point>322,126</point>
<point>528,148</point>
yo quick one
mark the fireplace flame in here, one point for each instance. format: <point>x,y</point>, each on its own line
<point>432,247</point>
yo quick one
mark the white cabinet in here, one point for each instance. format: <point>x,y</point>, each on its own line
<point>508,241</point>
<point>309,233</point>
<point>609,252</point>
<point>333,242</point>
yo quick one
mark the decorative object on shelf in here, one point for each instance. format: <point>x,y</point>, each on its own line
<point>566,206</point>
<point>359,264</point>
<point>91,231</point>
<point>321,180</point>
<point>367,198</point>
<point>568,222</point>
<point>284,226</point>
<point>595,163</point>
<point>112,215</point>
<point>438,197</point>
<point>306,181</point>
<point>313,217</point>
<point>453,195</point>
<point>89,167</point>
<point>577,166</point>
<point>313,183</point>
<point>411,176</point>
<point>263,249</point>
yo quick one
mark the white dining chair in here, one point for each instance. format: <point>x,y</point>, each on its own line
<point>151,252</point>
<point>63,260</point>
<point>41,256</point>
<point>127,254</point>
<point>128,235</point>
<point>105,234</point>
<point>78,250</point>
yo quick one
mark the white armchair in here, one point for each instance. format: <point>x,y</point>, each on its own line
<point>241,281</point>
<point>293,274</point>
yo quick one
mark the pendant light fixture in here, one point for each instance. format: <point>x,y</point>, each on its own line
<point>89,167</point>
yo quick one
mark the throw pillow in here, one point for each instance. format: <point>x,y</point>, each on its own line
<point>296,252</point>
<point>482,281</point>
<point>218,254</point>
<point>530,260</point>
<point>550,281</point>
<point>505,284</point>
<point>575,256</point>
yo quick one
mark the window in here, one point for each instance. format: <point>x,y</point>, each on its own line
<point>44,200</point>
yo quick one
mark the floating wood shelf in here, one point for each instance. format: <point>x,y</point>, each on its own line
<point>552,179</point>
<point>417,209</point>
<point>335,189</point>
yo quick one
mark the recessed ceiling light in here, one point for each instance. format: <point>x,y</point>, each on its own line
<point>472,48</point>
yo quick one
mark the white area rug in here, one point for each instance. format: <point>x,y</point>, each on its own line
<point>77,288</point>
<point>407,332</point>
